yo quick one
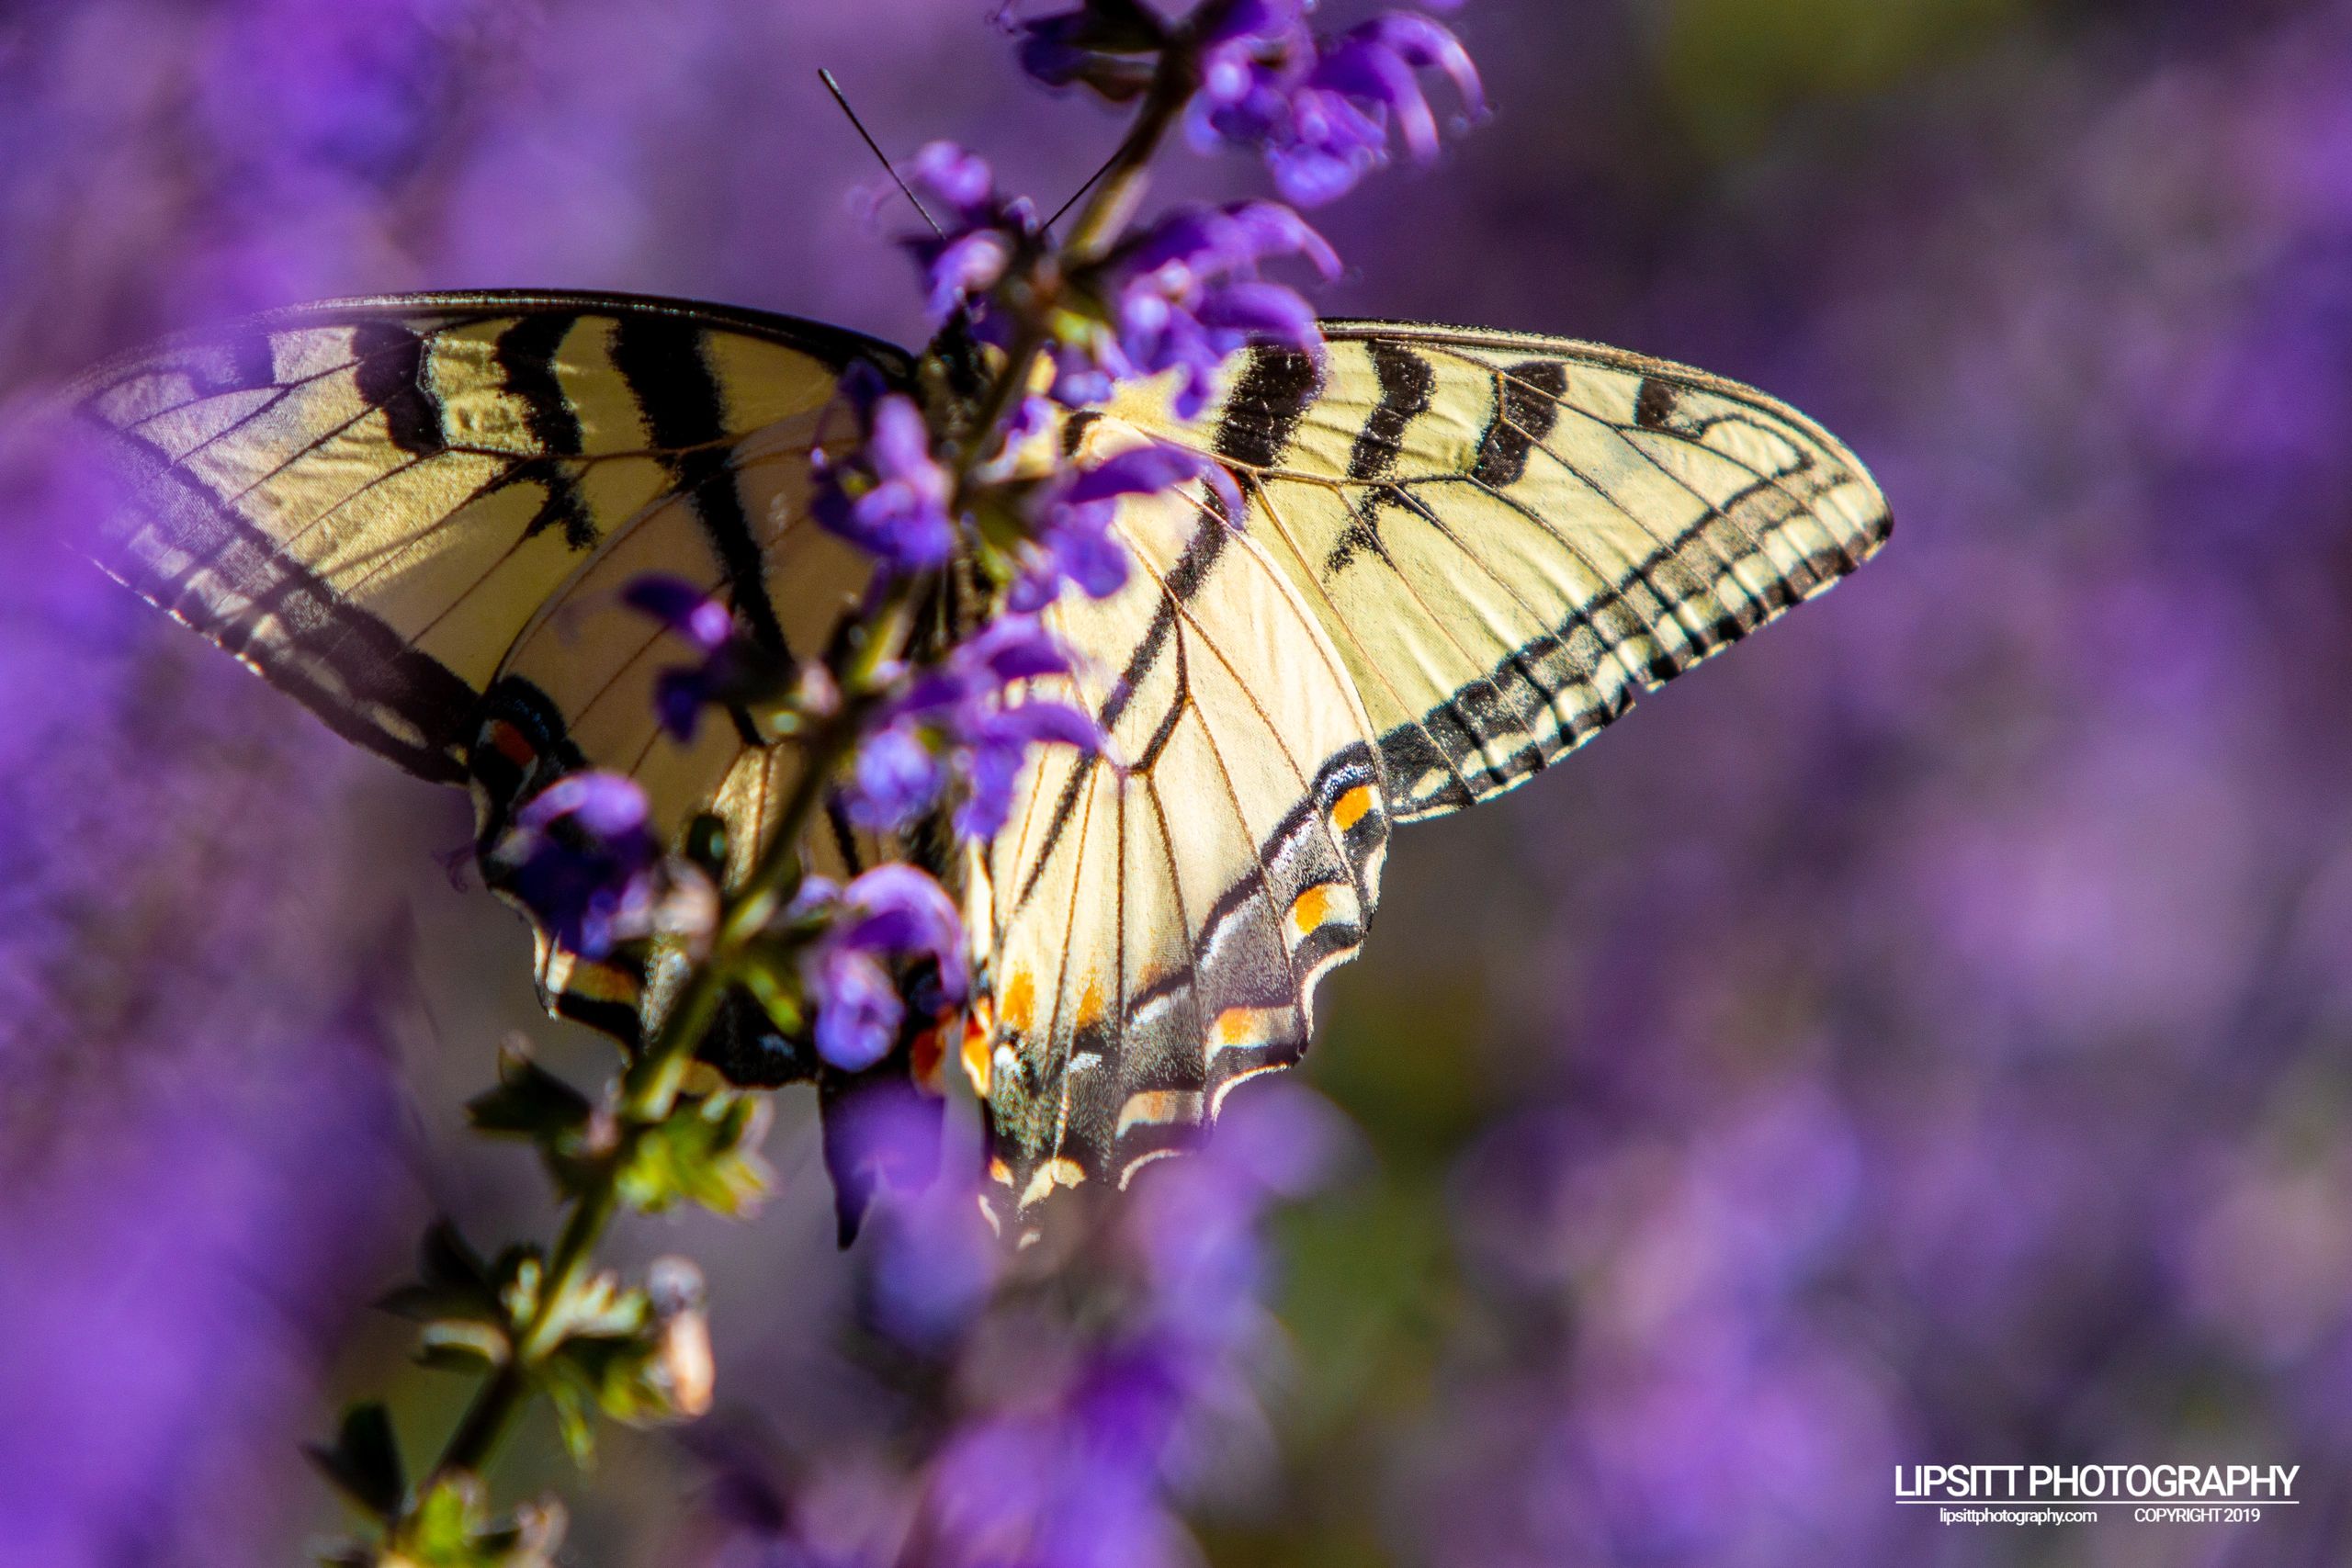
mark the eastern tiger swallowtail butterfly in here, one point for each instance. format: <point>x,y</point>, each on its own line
<point>1462,553</point>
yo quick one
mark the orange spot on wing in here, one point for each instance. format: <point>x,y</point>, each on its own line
<point>1238,1026</point>
<point>1021,1002</point>
<point>1307,911</point>
<point>976,1031</point>
<point>1352,807</point>
<point>1090,1004</point>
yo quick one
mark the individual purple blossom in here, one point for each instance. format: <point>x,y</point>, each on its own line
<point>1184,295</point>
<point>893,777</point>
<point>1072,518</point>
<point>1111,48</point>
<point>893,912</point>
<point>733,668</point>
<point>961,713</point>
<point>891,496</point>
<point>980,231</point>
<point>1321,110</point>
<point>583,858</point>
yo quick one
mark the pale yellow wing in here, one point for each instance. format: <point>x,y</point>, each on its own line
<point>417,513</point>
<point>1159,916</point>
<point>1510,537</point>
<point>1461,554</point>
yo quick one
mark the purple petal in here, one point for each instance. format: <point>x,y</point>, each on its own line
<point>1365,68</point>
<point>1093,557</point>
<point>1055,724</point>
<point>902,910</point>
<point>679,696</point>
<point>1139,470</point>
<point>1017,648</point>
<point>683,607</point>
<point>1275,230</point>
<point>858,1010</point>
<point>1266,312</point>
<point>961,179</point>
<point>1426,45</point>
<point>900,441</point>
<point>604,804</point>
<point>894,778</point>
<point>966,266</point>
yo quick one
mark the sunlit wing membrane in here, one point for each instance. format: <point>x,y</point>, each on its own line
<point>1509,536</point>
<point>416,514</point>
<point>1159,916</point>
<point>1460,555</point>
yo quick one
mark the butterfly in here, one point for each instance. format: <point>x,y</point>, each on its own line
<point>1458,555</point>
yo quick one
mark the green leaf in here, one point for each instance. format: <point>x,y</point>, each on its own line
<point>529,1102</point>
<point>452,1280</point>
<point>364,1461</point>
<point>572,1422</point>
<point>701,1153</point>
<point>450,1527</point>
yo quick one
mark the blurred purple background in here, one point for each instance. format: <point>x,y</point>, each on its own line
<point>1924,1037</point>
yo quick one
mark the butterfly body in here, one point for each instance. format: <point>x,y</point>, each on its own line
<point>1459,554</point>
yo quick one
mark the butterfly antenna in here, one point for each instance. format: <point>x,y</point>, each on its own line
<point>1091,181</point>
<point>874,147</point>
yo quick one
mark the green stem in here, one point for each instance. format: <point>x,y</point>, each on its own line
<point>649,1088</point>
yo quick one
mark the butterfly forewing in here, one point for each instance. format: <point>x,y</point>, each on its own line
<point>417,515</point>
<point>1509,536</point>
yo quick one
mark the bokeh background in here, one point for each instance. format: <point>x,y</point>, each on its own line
<point>1922,1037</point>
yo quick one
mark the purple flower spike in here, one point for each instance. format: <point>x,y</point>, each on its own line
<point>582,857</point>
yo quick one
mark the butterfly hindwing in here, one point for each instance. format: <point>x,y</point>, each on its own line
<point>1159,915</point>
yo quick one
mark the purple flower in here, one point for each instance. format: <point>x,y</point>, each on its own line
<point>893,777</point>
<point>1113,1412</point>
<point>961,715</point>
<point>1320,111</point>
<point>734,669</point>
<point>981,232</point>
<point>582,857</point>
<point>1073,517</point>
<point>1185,294</point>
<point>891,497</point>
<point>892,912</point>
<point>1110,48</point>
